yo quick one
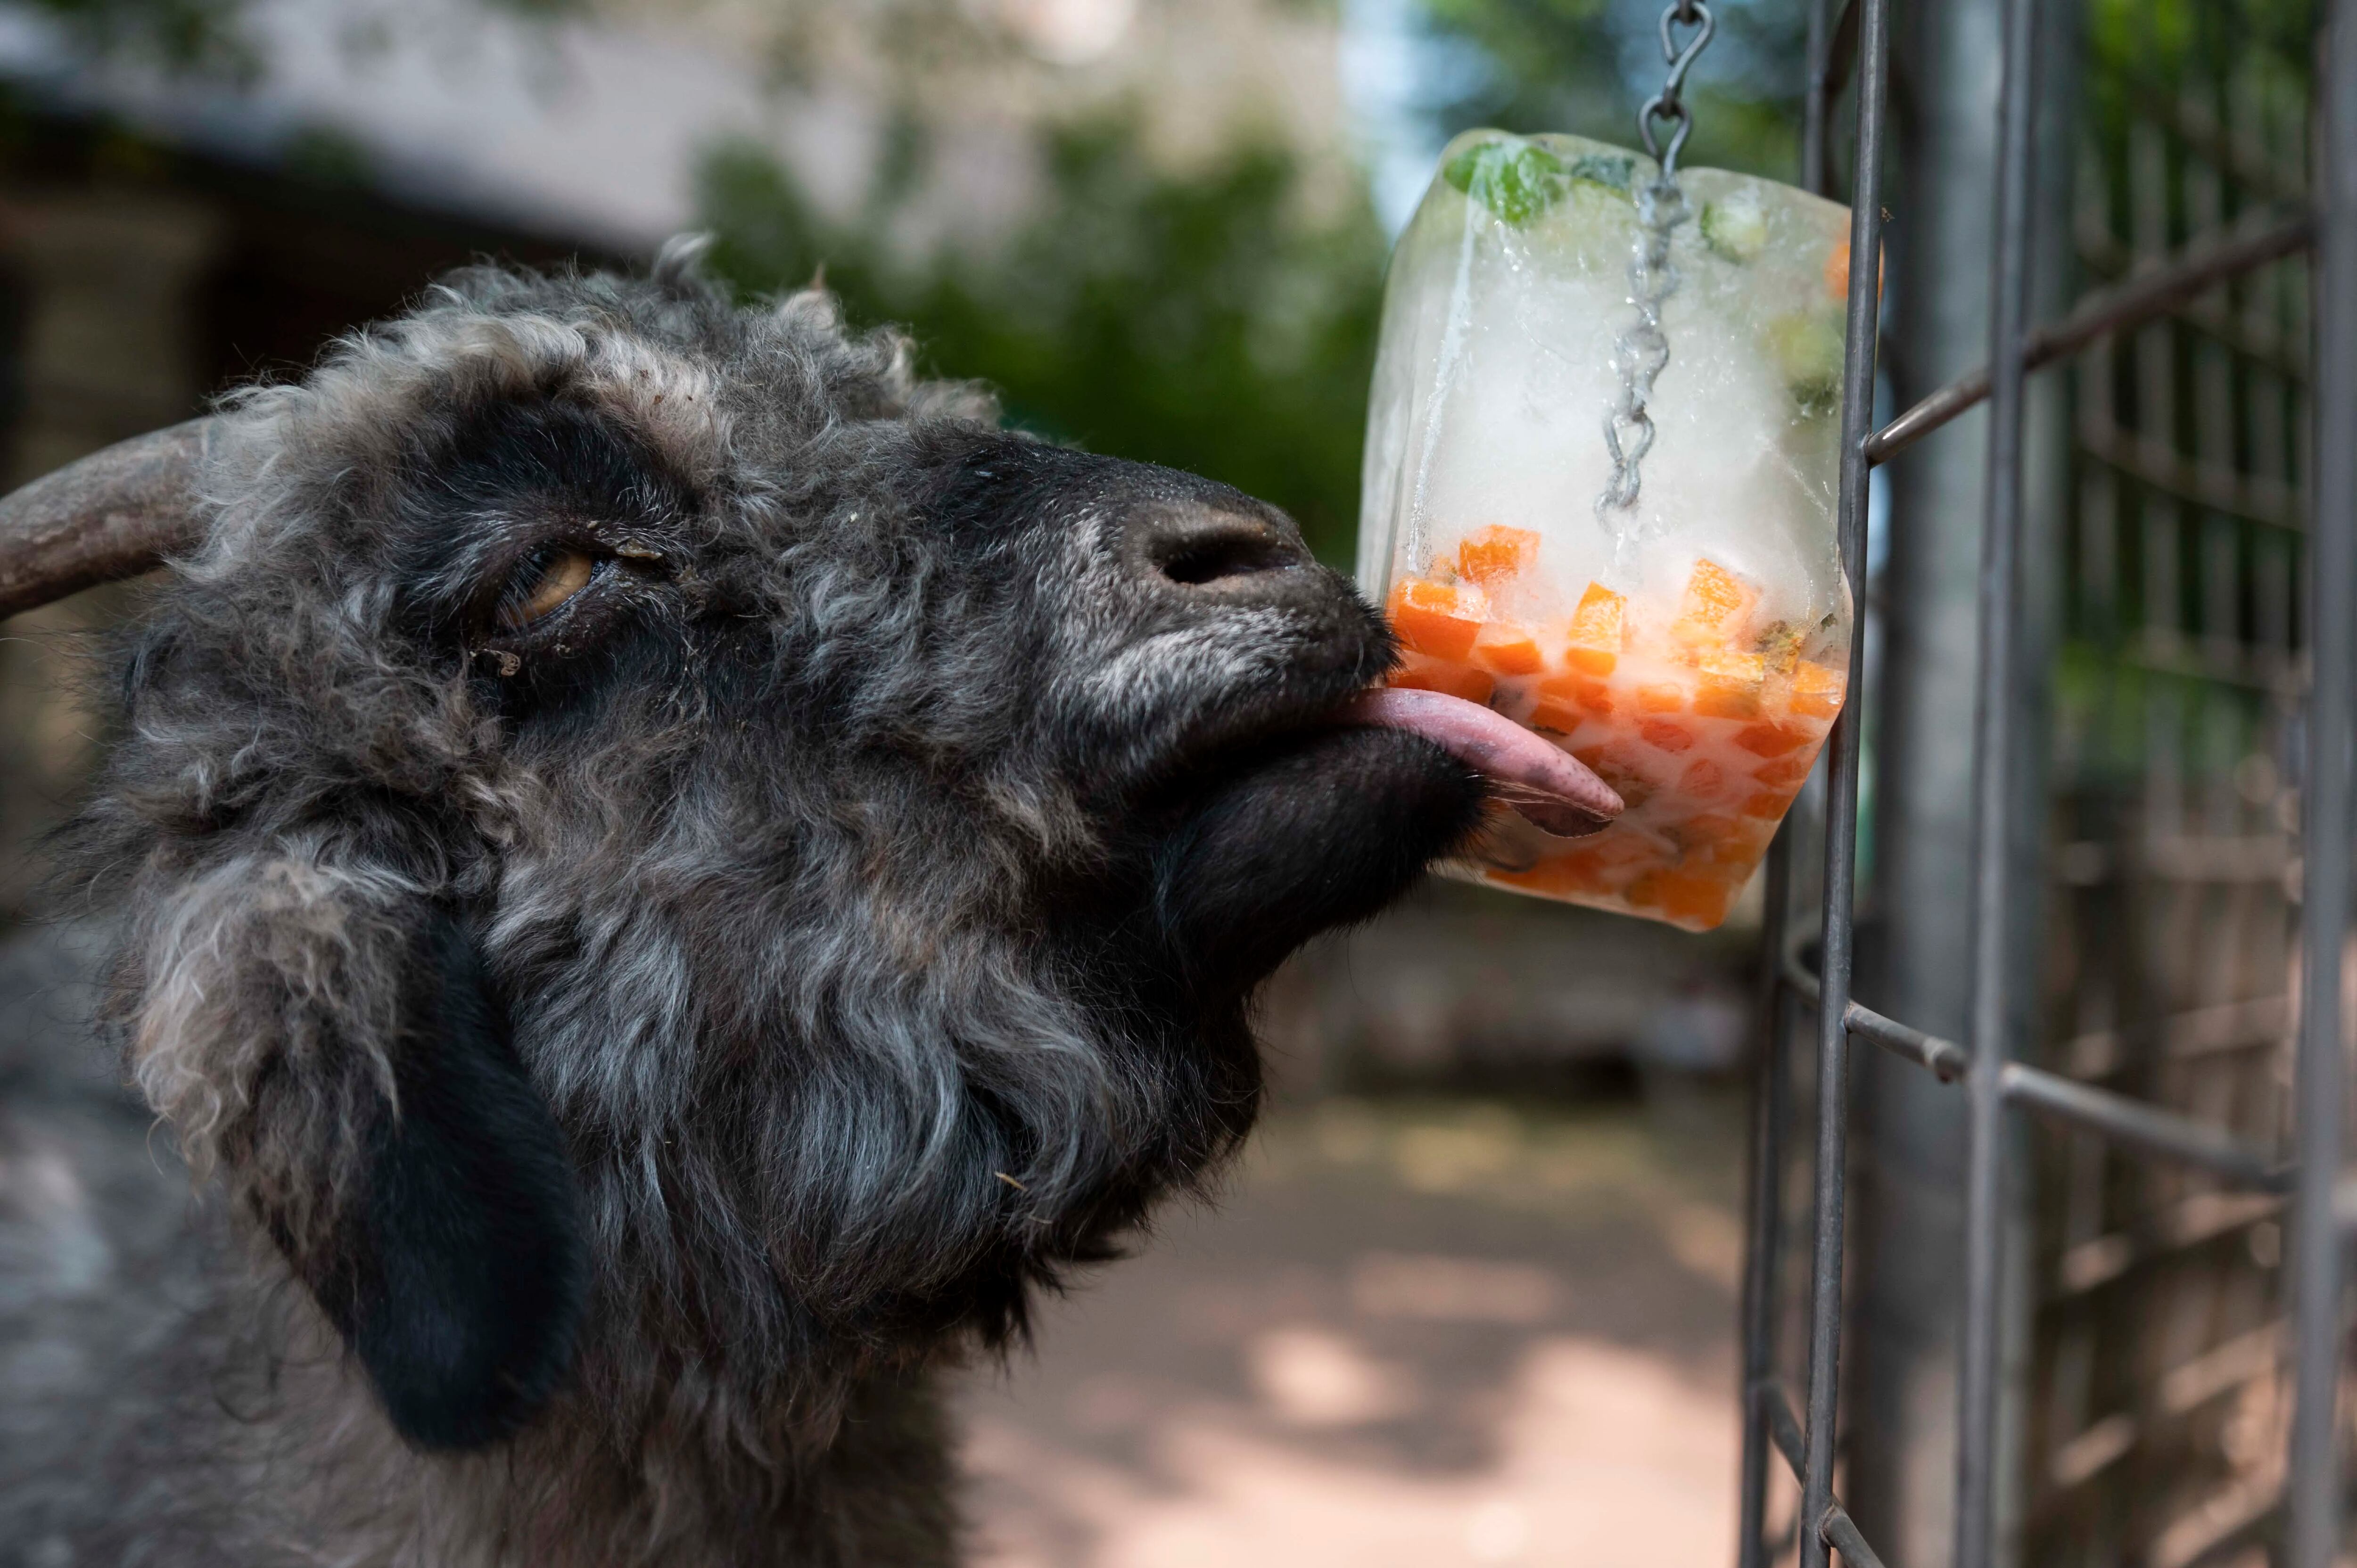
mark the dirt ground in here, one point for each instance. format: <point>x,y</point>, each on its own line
<point>1423,1333</point>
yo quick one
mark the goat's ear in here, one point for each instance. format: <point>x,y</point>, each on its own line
<point>345,1063</point>
<point>464,1262</point>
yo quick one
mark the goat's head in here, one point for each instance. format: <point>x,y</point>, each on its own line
<point>659,847</point>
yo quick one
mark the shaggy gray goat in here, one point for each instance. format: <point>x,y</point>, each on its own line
<point>666,873</point>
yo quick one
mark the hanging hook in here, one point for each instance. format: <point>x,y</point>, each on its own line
<point>1668,103</point>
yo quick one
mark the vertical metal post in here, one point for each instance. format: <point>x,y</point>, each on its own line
<point>1764,1239</point>
<point>1993,760</point>
<point>1841,803</point>
<point>2317,1258</point>
<point>1764,1250</point>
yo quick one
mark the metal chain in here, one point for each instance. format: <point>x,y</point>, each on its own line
<point>1668,103</point>
<point>1640,353</point>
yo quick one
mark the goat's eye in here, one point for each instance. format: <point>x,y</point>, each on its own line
<point>549,577</point>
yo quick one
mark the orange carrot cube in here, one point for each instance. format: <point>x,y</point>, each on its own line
<point>1666,735</point>
<point>1788,769</point>
<point>1741,850</point>
<point>1768,805</point>
<point>1726,664</point>
<point>1769,740</point>
<point>1661,699</point>
<point>1729,686</point>
<point>1617,851</point>
<point>1580,691</point>
<point>1817,692</point>
<point>1494,555</point>
<point>1705,833</point>
<point>1700,899</point>
<point>1683,897</point>
<point>1594,648</point>
<point>1554,715</point>
<point>1436,675</point>
<point>1509,650</point>
<point>1716,606</point>
<point>1439,618</point>
<point>1703,779</point>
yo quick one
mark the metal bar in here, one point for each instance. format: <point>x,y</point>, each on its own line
<point>1763,1241</point>
<point>2197,270</point>
<point>1993,765</point>
<point>2118,1116</point>
<point>1817,102</point>
<point>1764,1250</point>
<point>1841,49</point>
<point>1841,794</point>
<point>1776,1412</point>
<point>1797,974</point>
<point>1842,1535</point>
<point>1835,1528</point>
<point>1945,1060</point>
<point>2317,1258</point>
<point>2143,1126</point>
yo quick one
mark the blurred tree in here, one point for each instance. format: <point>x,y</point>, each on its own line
<point>1584,66</point>
<point>181,34</point>
<point>1201,319</point>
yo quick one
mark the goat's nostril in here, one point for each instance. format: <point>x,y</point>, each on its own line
<point>1200,560</point>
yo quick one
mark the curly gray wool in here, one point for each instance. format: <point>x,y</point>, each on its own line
<point>671,873</point>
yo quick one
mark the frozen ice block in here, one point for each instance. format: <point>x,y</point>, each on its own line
<point>1691,645</point>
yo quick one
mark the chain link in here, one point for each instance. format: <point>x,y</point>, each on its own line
<point>1668,103</point>
<point>1640,353</point>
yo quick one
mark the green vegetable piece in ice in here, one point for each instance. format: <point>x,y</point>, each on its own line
<point>1614,173</point>
<point>1808,348</point>
<point>1521,180</point>
<point>1779,647</point>
<point>1736,227</point>
<point>1517,183</point>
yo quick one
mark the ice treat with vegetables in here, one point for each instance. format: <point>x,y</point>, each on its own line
<point>1600,495</point>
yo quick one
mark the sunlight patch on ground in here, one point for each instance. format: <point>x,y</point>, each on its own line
<point>1606,1458</point>
<point>1413,1334</point>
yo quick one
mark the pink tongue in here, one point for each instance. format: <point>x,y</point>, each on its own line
<point>1553,789</point>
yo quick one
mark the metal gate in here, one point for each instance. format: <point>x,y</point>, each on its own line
<point>2229,532</point>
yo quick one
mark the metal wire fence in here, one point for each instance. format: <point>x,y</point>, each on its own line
<point>2204,891</point>
<point>2152,1429</point>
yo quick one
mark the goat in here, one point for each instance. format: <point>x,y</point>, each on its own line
<point>670,873</point>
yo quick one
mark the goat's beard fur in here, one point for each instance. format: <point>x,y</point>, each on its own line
<point>639,1051</point>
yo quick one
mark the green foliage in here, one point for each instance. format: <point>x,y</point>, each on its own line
<point>1553,64</point>
<point>1196,319</point>
<point>1557,65</point>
